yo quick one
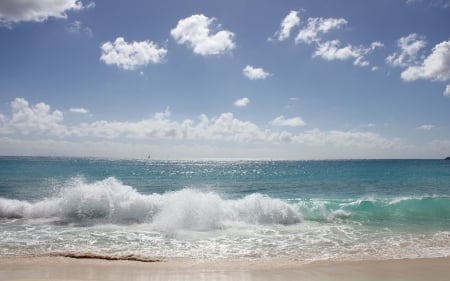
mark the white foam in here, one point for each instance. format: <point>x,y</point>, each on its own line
<point>110,201</point>
<point>10,208</point>
<point>338,214</point>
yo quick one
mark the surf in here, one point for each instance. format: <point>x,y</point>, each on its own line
<point>109,201</point>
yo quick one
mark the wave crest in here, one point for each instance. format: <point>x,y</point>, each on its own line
<point>110,201</point>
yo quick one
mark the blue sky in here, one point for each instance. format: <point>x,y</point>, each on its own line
<point>225,79</point>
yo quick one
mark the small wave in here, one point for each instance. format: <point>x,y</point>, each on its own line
<point>110,201</point>
<point>323,210</point>
<point>413,210</point>
<point>418,210</point>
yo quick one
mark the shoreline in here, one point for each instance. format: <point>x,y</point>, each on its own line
<point>65,268</point>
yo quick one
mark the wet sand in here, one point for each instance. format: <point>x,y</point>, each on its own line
<point>63,268</point>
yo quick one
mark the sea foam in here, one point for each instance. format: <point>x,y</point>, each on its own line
<point>111,201</point>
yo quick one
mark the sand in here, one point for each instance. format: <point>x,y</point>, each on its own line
<point>63,268</point>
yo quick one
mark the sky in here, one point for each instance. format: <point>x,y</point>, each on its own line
<point>237,79</point>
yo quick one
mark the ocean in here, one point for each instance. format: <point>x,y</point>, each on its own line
<point>292,210</point>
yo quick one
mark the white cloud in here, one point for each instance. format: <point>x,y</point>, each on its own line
<point>426,127</point>
<point>158,126</point>
<point>226,128</point>
<point>290,122</point>
<point>435,67</point>
<point>447,91</point>
<point>290,21</point>
<point>90,5</point>
<point>14,11</point>
<point>254,73</point>
<point>331,50</point>
<point>38,119</point>
<point>316,27</point>
<point>196,32</point>
<point>409,49</point>
<point>376,44</point>
<point>79,110</point>
<point>130,56</point>
<point>242,102</point>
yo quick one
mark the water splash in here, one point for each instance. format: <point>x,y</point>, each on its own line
<point>110,201</point>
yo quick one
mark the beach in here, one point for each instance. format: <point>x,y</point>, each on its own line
<point>60,268</point>
<point>224,140</point>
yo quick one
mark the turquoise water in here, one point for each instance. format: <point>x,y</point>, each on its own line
<point>298,210</point>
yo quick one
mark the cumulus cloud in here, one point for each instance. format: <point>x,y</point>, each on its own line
<point>130,56</point>
<point>409,48</point>
<point>14,11</point>
<point>254,73</point>
<point>290,122</point>
<point>316,27</point>
<point>79,110</point>
<point>196,31</point>
<point>242,102</point>
<point>290,21</point>
<point>223,128</point>
<point>331,50</point>
<point>435,67</point>
<point>38,119</point>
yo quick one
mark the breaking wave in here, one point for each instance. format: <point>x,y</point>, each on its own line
<point>110,201</point>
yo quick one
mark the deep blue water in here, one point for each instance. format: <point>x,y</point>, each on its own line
<point>30,178</point>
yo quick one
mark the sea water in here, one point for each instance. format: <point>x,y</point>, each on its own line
<point>294,210</point>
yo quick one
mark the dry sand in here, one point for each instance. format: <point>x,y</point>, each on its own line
<point>63,268</point>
